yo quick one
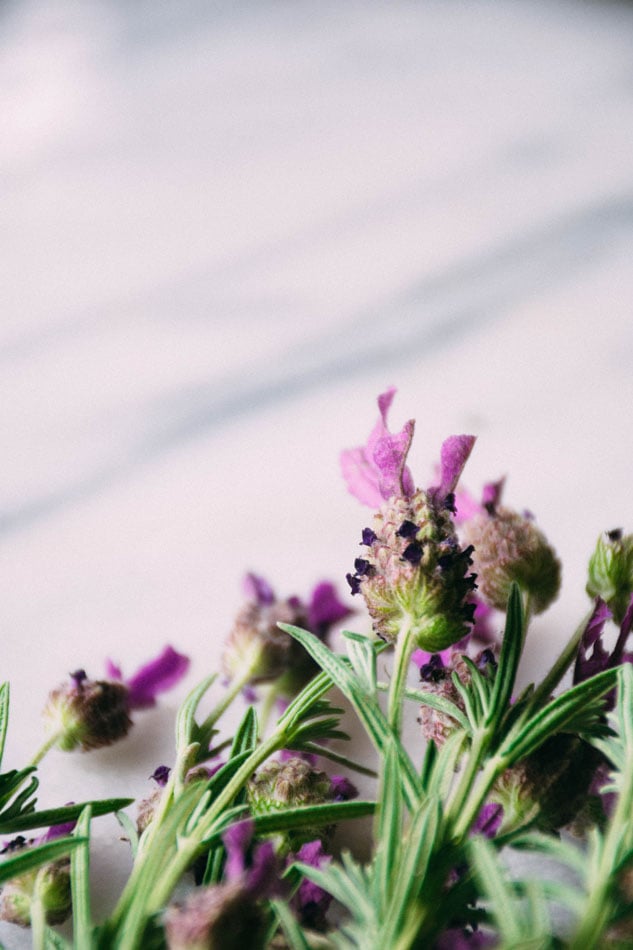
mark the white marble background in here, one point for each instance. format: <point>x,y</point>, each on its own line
<point>224,229</point>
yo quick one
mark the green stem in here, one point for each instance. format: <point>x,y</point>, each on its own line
<point>405,645</point>
<point>233,689</point>
<point>38,919</point>
<point>46,747</point>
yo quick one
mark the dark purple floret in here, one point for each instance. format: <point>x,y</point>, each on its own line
<point>369,537</point>
<point>354,582</point>
<point>413,553</point>
<point>161,775</point>
<point>342,789</point>
<point>449,503</point>
<point>407,530</point>
<point>434,670</point>
<point>486,658</point>
<point>615,535</point>
<point>362,567</point>
<point>78,677</point>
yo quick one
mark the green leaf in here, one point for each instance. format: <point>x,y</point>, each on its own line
<point>389,828</point>
<point>579,709</point>
<point>246,736</point>
<point>80,884</point>
<point>129,830</point>
<point>186,727</point>
<point>291,819</point>
<point>290,926</point>
<point>511,649</point>
<point>401,924</point>
<point>365,706</point>
<point>34,857</point>
<point>314,749</point>
<point>4,716</point>
<point>60,816</point>
<point>54,941</point>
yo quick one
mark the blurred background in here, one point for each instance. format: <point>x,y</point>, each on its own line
<point>226,227</point>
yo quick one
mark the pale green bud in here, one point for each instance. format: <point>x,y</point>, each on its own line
<point>611,572</point>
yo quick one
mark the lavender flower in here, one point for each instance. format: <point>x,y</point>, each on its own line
<point>311,902</point>
<point>413,572</point>
<point>589,663</point>
<point>229,916</point>
<point>89,714</point>
<point>256,648</point>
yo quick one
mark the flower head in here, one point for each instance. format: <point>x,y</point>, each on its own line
<point>256,642</point>
<point>88,714</point>
<point>507,548</point>
<point>412,571</point>
<point>611,571</point>
<point>229,916</point>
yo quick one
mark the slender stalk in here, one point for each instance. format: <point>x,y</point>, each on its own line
<point>233,689</point>
<point>405,646</point>
<point>38,919</point>
<point>46,747</point>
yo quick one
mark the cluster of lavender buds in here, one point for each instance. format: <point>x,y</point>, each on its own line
<point>235,846</point>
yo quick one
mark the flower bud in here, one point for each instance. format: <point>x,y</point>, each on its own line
<point>288,784</point>
<point>257,643</point>
<point>611,572</point>
<point>553,783</point>
<point>437,679</point>
<point>50,884</point>
<point>222,917</point>
<point>509,547</point>
<point>413,572</point>
<point>87,714</point>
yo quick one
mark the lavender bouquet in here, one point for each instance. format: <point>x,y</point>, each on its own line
<point>235,847</point>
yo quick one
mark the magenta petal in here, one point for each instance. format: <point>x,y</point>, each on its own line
<point>113,672</point>
<point>155,677</point>
<point>376,471</point>
<point>454,455</point>
<point>625,629</point>
<point>236,840</point>
<point>258,589</point>
<point>361,476</point>
<point>491,495</point>
<point>390,456</point>
<point>586,665</point>
<point>325,608</point>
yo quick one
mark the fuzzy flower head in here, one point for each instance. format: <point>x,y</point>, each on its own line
<point>412,570</point>
<point>256,642</point>
<point>611,571</point>
<point>509,547</point>
<point>229,916</point>
<point>436,677</point>
<point>291,783</point>
<point>88,714</point>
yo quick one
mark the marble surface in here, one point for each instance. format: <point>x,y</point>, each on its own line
<point>225,229</point>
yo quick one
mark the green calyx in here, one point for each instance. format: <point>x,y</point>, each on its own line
<point>611,572</point>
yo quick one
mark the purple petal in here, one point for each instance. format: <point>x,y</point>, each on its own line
<point>491,494</point>
<point>312,901</point>
<point>482,629</point>
<point>587,666</point>
<point>466,507</point>
<point>155,677</point>
<point>262,878</point>
<point>489,820</point>
<point>113,672</point>
<point>161,775</point>
<point>390,456</point>
<point>453,456</point>
<point>325,608</point>
<point>361,476</point>
<point>422,657</point>
<point>236,840</point>
<point>58,831</point>
<point>342,789</point>
<point>376,471</point>
<point>258,589</point>
<point>462,939</point>
<point>625,629</point>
